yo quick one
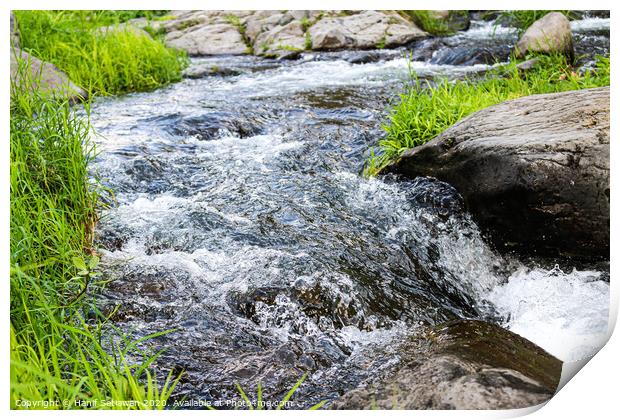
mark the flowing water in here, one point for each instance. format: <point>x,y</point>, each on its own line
<point>240,220</point>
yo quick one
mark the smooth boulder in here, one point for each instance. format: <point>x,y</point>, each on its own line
<point>549,34</point>
<point>534,171</point>
<point>43,77</point>
<point>463,365</point>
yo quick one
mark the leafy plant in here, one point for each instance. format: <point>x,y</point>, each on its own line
<point>308,41</point>
<point>107,61</point>
<point>305,23</point>
<point>381,43</point>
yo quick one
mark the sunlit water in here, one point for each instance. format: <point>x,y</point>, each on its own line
<point>240,219</point>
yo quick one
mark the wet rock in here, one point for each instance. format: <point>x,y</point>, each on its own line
<point>464,56</point>
<point>458,51</point>
<point>364,57</point>
<point>456,20</point>
<point>214,126</point>
<point>534,171</point>
<point>527,65</point>
<point>603,14</point>
<point>288,55</point>
<point>43,77</point>
<point>437,196</point>
<point>204,70</point>
<point>463,365</point>
<point>549,34</point>
<point>368,29</point>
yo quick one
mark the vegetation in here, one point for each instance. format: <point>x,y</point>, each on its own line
<point>428,108</point>
<point>65,353</point>
<point>57,353</point>
<point>100,58</point>
<point>282,403</point>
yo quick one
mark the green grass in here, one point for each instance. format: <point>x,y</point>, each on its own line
<point>260,404</point>
<point>423,112</point>
<point>428,23</point>
<point>110,17</point>
<point>62,348</point>
<point>102,62</point>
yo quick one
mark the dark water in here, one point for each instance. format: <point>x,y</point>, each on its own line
<point>241,221</point>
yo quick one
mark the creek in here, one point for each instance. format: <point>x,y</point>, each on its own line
<point>240,220</point>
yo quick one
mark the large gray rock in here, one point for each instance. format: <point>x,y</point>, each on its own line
<point>549,34</point>
<point>534,171</point>
<point>206,32</point>
<point>369,29</point>
<point>261,21</point>
<point>220,38</point>
<point>43,77</point>
<point>466,365</point>
<point>281,39</point>
<point>278,33</point>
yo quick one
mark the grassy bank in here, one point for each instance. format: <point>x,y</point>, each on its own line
<point>64,352</point>
<point>102,61</point>
<point>427,109</point>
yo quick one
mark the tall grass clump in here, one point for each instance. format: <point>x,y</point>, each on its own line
<point>430,107</point>
<point>98,52</point>
<point>64,353</point>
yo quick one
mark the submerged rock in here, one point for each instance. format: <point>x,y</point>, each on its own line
<point>204,70</point>
<point>549,34</point>
<point>463,365</point>
<point>44,77</point>
<point>534,171</point>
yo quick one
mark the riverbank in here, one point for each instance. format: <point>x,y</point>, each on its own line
<point>424,112</point>
<point>58,358</point>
